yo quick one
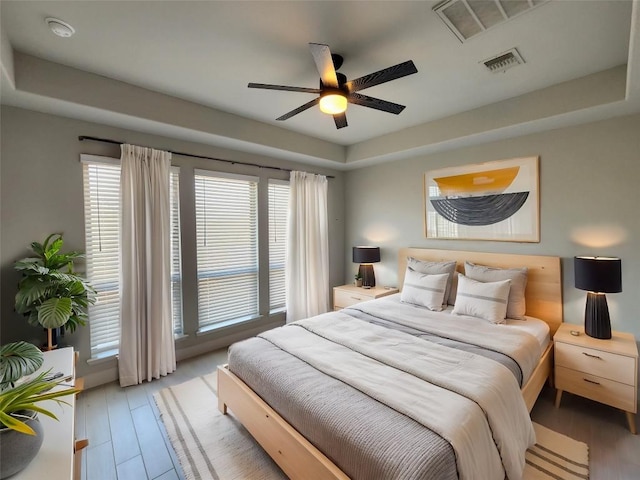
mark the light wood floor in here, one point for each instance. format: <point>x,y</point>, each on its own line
<point>127,440</point>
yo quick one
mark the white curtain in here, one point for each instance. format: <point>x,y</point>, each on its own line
<point>147,348</point>
<point>307,260</point>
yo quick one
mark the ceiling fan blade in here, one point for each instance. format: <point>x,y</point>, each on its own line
<point>382,76</point>
<point>341,120</point>
<point>376,103</point>
<point>301,108</point>
<point>324,63</point>
<point>266,86</point>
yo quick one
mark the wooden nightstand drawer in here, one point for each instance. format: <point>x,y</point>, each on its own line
<point>603,370</point>
<point>343,299</point>
<point>607,365</point>
<point>596,388</point>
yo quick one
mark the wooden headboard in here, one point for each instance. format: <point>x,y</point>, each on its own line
<point>544,281</point>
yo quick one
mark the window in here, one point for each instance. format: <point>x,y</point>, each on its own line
<point>227,247</point>
<point>102,233</point>
<point>176,263</point>
<point>278,208</point>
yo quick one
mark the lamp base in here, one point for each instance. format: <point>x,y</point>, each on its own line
<point>368,277</point>
<point>597,323</point>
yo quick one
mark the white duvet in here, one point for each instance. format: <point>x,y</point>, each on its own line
<point>472,402</point>
<point>521,346</point>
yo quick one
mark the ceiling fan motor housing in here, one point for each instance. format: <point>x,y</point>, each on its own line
<point>342,79</point>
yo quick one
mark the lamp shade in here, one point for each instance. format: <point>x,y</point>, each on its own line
<point>366,254</point>
<point>598,274</point>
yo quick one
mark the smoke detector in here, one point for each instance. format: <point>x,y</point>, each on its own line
<point>504,61</point>
<point>60,28</point>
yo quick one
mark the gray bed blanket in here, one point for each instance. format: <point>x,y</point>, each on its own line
<point>364,438</point>
<point>359,433</point>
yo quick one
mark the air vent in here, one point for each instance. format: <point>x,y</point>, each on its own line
<point>504,61</point>
<point>466,18</point>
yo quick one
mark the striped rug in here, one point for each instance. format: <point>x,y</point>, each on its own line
<point>210,445</point>
<point>555,456</point>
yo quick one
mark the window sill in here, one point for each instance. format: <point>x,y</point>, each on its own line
<point>103,357</point>
<point>112,354</point>
<point>216,327</point>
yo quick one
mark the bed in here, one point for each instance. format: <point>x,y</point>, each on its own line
<point>384,427</point>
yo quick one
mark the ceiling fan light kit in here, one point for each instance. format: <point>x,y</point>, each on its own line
<point>333,102</point>
<point>336,92</point>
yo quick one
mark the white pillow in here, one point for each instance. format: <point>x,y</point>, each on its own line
<point>434,268</point>
<point>487,300</point>
<point>518,276</point>
<point>424,289</point>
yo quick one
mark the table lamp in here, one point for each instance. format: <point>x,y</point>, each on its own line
<point>366,256</point>
<point>598,276</point>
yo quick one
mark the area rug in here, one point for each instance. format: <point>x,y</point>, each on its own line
<point>210,445</point>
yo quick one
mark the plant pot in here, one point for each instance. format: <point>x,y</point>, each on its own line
<point>358,283</point>
<point>18,449</point>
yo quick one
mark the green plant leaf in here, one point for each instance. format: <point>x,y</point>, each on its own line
<point>27,263</point>
<point>65,277</point>
<point>45,245</point>
<point>26,396</point>
<point>54,248</point>
<point>33,318</point>
<point>15,424</point>
<point>37,248</point>
<point>32,291</point>
<point>55,312</point>
<point>31,267</point>
<point>17,360</point>
<point>75,288</point>
<point>63,260</point>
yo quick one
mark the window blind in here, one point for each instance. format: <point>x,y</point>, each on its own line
<point>176,260</point>
<point>102,236</point>
<point>227,247</point>
<point>102,233</point>
<point>278,210</point>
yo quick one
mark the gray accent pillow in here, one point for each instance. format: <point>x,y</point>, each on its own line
<point>518,276</point>
<point>487,300</point>
<point>434,268</point>
<point>451,299</point>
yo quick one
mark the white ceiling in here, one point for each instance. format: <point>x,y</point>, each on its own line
<point>207,52</point>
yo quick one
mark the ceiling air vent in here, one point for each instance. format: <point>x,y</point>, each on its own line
<point>504,61</point>
<point>466,18</point>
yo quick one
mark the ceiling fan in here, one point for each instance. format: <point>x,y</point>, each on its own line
<point>335,91</point>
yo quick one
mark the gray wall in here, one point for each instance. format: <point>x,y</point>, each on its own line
<point>41,185</point>
<point>589,201</point>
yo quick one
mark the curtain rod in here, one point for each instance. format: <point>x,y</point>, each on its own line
<point>82,138</point>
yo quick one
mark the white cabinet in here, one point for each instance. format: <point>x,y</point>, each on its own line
<point>55,458</point>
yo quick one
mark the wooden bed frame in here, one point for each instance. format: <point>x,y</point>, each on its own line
<point>298,458</point>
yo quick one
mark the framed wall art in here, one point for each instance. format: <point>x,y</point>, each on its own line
<point>486,201</point>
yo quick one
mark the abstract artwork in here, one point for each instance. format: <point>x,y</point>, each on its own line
<point>487,201</point>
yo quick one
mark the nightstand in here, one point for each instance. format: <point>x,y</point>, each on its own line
<point>348,295</point>
<point>603,370</point>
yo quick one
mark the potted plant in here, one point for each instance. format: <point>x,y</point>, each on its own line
<point>50,294</point>
<point>358,280</point>
<point>21,434</point>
